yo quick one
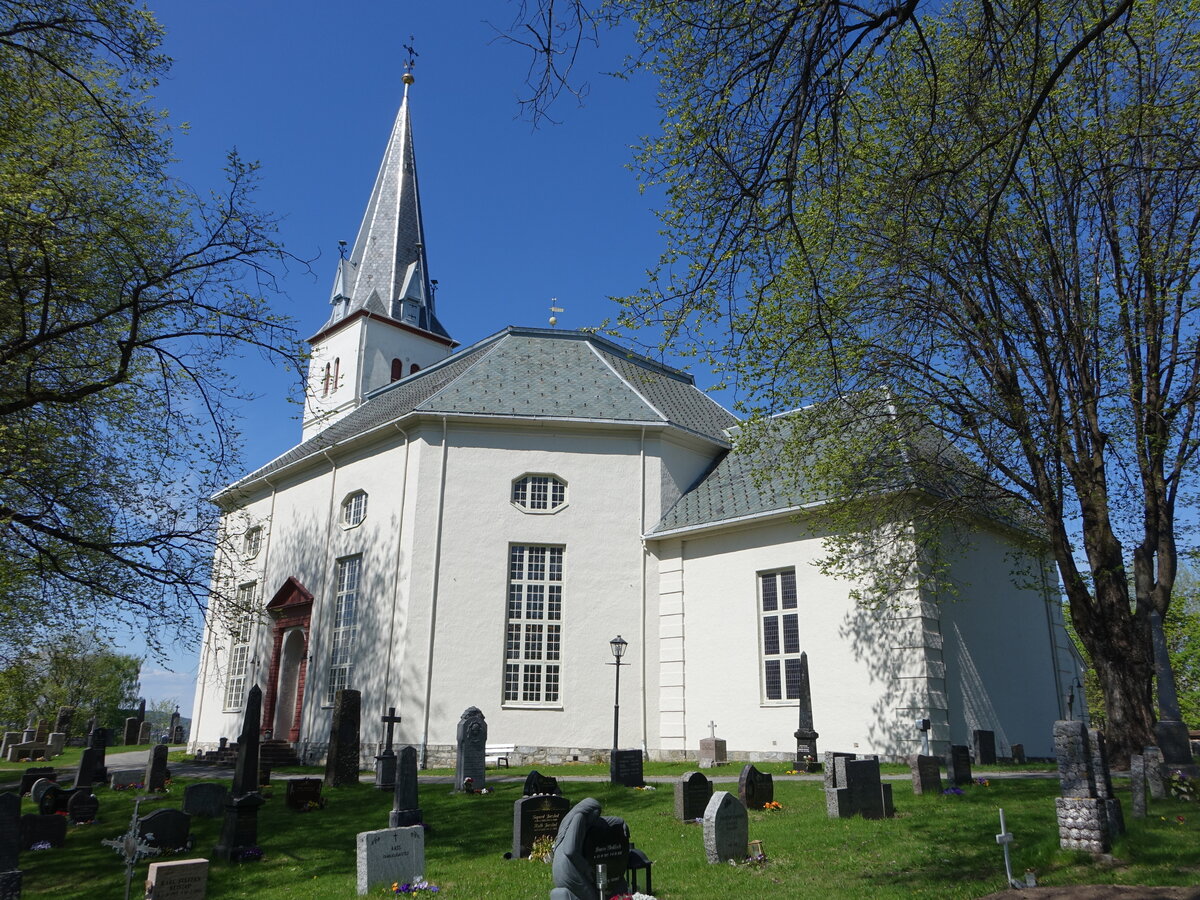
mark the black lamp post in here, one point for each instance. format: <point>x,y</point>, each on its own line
<point>618,645</point>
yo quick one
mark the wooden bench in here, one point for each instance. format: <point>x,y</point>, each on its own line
<point>497,754</point>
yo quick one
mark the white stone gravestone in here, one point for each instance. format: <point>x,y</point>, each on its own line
<point>390,854</point>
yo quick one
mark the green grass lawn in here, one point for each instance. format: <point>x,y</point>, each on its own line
<point>937,846</point>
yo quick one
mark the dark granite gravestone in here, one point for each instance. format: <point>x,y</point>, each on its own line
<point>206,800</point>
<point>91,764</point>
<point>31,776</point>
<point>535,817</point>
<point>692,793</point>
<point>1137,784</point>
<point>472,744</point>
<point>537,783</point>
<point>168,830</point>
<point>36,829</point>
<point>130,735</point>
<point>156,769</point>
<point>66,715</point>
<point>82,806</point>
<point>144,733</point>
<point>98,741</point>
<point>586,839</point>
<point>983,747</point>
<point>177,735</point>
<point>858,790</point>
<point>302,792</point>
<point>245,771</point>
<point>406,807</point>
<point>926,774</point>
<point>174,722</point>
<point>1155,773</point>
<point>10,830</point>
<point>51,799</point>
<point>1170,733</point>
<point>385,762</point>
<point>806,737</point>
<point>726,828</point>
<point>41,733</point>
<point>1018,754</point>
<point>958,765</point>
<point>755,788</point>
<point>264,774</point>
<point>1104,785</point>
<point>342,765</point>
<point>625,768</point>
<point>239,830</point>
<point>141,713</point>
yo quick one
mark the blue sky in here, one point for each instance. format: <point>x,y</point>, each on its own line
<point>513,216</point>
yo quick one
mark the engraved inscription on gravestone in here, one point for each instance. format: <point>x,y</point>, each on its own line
<point>389,855</point>
<point>625,768</point>
<point>178,879</point>
<point>534,817</point>
<point>472,747</point>
<point>585,839</point>
<point>342,765</point>
<point>692,793</point>
<point>755,788</point>
<point>726,828</point>
<point>406,809</point>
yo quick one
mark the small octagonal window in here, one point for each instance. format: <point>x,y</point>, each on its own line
<point>354,509</point>
<point>539,493</point>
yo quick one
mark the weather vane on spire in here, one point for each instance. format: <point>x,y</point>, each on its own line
<point>411,61</point>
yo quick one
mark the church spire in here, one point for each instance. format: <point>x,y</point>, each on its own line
<point>387,272</point>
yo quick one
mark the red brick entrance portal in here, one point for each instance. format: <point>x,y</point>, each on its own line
<point>291,608</point>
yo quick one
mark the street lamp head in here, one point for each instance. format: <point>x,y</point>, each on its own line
<point>618,645</point>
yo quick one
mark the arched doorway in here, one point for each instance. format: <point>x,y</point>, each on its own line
<point>287,710</point>
<point>283,706</point>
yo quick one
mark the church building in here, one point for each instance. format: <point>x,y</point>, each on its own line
<point>472,524</point>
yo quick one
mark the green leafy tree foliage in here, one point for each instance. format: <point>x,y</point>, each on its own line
<point>1183,641</point>
<point>971,230</point>
<point>74,671</point>
<point>122,297</point>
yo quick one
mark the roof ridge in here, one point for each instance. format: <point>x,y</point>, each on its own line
<point>621,378</point>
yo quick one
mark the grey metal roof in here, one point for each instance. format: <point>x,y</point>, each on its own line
<point>531,373</point>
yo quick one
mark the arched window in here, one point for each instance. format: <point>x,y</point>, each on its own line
<point>414,369</point>
<point>336,365</point>
<point>325,382</point>
<point>397,369</point>
<point>252,542</point>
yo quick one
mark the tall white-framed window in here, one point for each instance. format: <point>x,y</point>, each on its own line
<point>539,493</point>
<point>345,626</point>
<point>354,509</point>
<point>533,630</point>
<point>240,634</point>
<point>779,633</point>
<point>252,542</point>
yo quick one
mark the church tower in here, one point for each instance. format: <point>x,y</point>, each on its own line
<point>382,325</point>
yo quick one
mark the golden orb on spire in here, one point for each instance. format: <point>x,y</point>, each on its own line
<point>407,78</point>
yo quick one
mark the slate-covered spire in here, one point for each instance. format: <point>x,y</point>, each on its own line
<point>387,272</point>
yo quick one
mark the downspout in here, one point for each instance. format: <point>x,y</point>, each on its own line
<point>437,564</point>
<point>387,678</point>
<point>642,530</point>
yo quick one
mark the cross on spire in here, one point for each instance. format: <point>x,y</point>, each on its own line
<point>411,61</point>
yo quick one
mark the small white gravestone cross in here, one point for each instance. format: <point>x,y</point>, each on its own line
<point>712,729</point>
<point>1004,838</point>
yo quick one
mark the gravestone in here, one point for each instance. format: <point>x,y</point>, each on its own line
<point>755,788</point>
<point>91,767</point>
<point>926,774</point>
<point>1104,786</point>
<point>132,725</point>
<point>470,761</point>
<point>177,735</point>
<point>52,798</point>
<point>983,746</point>
<point>1083,817</point>
<point>168,830</point>
<point>1018,754</point>
<point>144,733</point>
<point>302,792</point>
<point>858,790</point>
<point>390,855</point>
<point>264,774</point>
<point>55,743</point>
<point>585,840</point>
<point>385,762</point>
<point>29,735</point>
<point>537,783</point>
<point>36,829</point>
<point>831,758</point>
<point>10,830</point>
<point>178,879</point>
<point>239,830</point>
<point>806,737</point>
<point>535,817</point>
<point>692,793</point>
<point>156,768</point>
<point>958,765</point>
<point>625,768</point>
<point>712,749</point>
<point>98,741</point>
<point>341,765</point>
<point>726,828</point>
<point>120,779</point>
<point>33,775</point>
<point>82,806</point>
<point>206,800</point>
<point>1137,784</point>
<point>406,806</point>
<point>141,713</point>
<point>26,750</point>
<point>11,739</point>
<point>1155,773</point>
<point>64,720</point>
<point>41,733</point>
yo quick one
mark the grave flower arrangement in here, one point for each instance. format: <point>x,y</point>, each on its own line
<point>542,849</point>
<point>418,885</point>
<point>313,805</point>
<point>250,854</point>
<point>772,805</point>
<point>983,782</point>
<point>41,845</point>
<point>1181,787</point>
<point>135,786</point>
<point>956,791</point>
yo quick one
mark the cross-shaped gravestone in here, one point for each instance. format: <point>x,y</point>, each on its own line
<point>385,762</point>
<point>391,720</point>
<point>1004,838</point>
<point>712,728</point>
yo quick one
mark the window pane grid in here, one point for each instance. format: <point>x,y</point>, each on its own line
<point>539,493</point>
<point>532,600</point>
<point>345,626</point>
<point>780,634</point>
